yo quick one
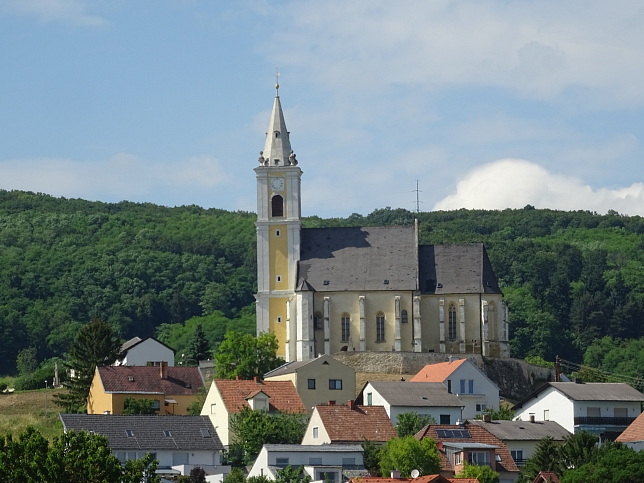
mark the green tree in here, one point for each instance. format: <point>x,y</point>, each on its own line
<point>292,474</point>
<point>236,475</point>
<point>484,474</point>
<point>503,413</point>
<point>26,362</point>
<point>252,429</point>
<point>198,349</point>
<point>407,454</point>
<point>246,356</point>
<point>371,457</point>
<point>133,405</point>
<point>546,457</point>
<point>409,424</point>
<point>95,345</point>
<point>614,464</point>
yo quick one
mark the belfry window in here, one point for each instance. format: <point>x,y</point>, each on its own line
<point>277,206</point>
<point>451,327</point>
<point>346,327</point>
<point>404,318</point>
<point>380,327</point>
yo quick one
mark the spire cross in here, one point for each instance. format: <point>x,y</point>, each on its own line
<point>277,85</point>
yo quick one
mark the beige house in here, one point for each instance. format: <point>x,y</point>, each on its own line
<point>228,397</point>
<point>318,381</point>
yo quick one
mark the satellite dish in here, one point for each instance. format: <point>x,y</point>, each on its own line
<point>415,473</point>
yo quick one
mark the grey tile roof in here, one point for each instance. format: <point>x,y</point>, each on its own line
<point>523,430</point>
<point>405,393</point>
<point>288,368</point>
<point>148,431</point>
<point>388,258</point>
<point>358,258</point>
<point>325,448</point>
<point>598,391</point>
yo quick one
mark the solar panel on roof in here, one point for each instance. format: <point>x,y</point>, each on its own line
<point>453,433</point>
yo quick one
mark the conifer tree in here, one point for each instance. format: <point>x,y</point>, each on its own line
<point>95,345</point>
<point>198,349</point>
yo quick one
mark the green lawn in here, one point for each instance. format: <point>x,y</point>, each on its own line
<point>30,408</point>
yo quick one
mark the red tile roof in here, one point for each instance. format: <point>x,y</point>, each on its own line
<point>546,477</point>
<point>634,432</point>
<point>346,425</point>
<point>420,479</point>
<point>478,435</point>
<point>180,381</point>
<point>282,395</point>
<point>437,372</point>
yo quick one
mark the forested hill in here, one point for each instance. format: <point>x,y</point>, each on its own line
<point>570,278</point>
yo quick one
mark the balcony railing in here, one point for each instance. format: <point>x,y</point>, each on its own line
<point>598,421</point>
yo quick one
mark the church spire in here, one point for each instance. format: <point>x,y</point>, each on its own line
<point>277,149</point>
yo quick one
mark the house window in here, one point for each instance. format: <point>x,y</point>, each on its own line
<point>620,412</point>
<point>317,321</point>
<point>517,456</point>
<point>404,318</point>
<point>327,476</point>
<point>380,327</point>
<point>346,327</point>
<point>316,432</point>
<point>348,461</point>
<point>470,386</point>
<point>335,384</point>
<point>315,461</point>
<point>481,407</point>
<point>167,433</point>
<point>281,462</point>
<point>212,408</point>
<point>277,206</point>
<point>179,459</point>
<point>458,458</point>
<point>445,419</point>
<point>311,383</point>
<point>546,414</point>
<point>129,433</point>
<point>449,386</point>
<point>369,399</point>
<point>593,412</point>
<point>451,326</point>
<point>480,458</point>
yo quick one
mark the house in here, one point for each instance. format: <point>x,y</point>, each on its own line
<point>633,435</point>
<point>473,444</point>
<point>228,397</point>
<point>522,437</point>
<point>172,389</point>
<point>332,462</point>
<point>145,352</point>
<point>464,379</point>
<point>323,290</point>
<point>350,424</point>
<point>318,381</point>
<point>178,442</point>
<point>418,479</point>
<point>546,477</point>
<point>601,408</point>
<point>427,398</point>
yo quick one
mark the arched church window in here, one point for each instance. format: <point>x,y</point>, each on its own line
<point>346,327</point>
<point>317,321</point>
<point>380,327</point>
<point>277,206</point>
<point>451,327</point>
<point>404,318</point>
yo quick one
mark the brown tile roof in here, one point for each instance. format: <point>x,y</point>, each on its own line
<point>282,395</point>
<point>546,477</point>
<point>634,432</point>
<point>478,435</point>
<point>346,425</point>
<point>420,479</point>
<point>180,381</point>
<point>437,372</point>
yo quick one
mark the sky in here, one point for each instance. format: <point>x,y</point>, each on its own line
<point>430,105</point>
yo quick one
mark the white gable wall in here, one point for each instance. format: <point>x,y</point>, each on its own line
<point>484,393</point>
<point>322,434</point>
<point>549,405</point>
<point>148,350</point>
<point>215,409</point>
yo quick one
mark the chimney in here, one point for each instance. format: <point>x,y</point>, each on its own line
<point>351,404</point>
<point>163,370</point>
<point>395,473</point>
<point>257,380</point>
<point>487,418</point>
<point>331,403</point>
<point>532,417</point>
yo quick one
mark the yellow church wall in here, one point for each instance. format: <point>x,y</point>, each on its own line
<point>277,308</point>
<point>279,257</point>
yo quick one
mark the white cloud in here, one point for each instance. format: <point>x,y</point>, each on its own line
<point>124,176</point>
<point>515,183</point>
<point>538,49</point>
<point>72,11</point>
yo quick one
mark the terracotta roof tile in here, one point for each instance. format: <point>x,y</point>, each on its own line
<point>437,372</point>
<point>346,425</point>
<point>634,432</point>
<point>282,394</point>
<point>478,435</point>
<point>180,381</point>
<point>420,479</point>
<point>546,477</point>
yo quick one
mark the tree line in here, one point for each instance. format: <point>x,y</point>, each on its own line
<point>570,279</point>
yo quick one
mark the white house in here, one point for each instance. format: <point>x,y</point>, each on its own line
<point>522,437</point>
<point>427,398</point>
<point>178,442</point>
<point>145,352</point>
<point>466,381</point>
<point>320,462</point>
<point>602,408</point>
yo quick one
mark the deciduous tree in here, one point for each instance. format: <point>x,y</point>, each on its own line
<point>407,454</point>
<point>246,356</point>
<point>409,424</point>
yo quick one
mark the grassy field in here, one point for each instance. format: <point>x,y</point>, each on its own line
<point>30,408</point>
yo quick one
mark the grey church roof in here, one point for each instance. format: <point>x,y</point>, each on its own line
<point>148,432</point>
<point>388,258</point>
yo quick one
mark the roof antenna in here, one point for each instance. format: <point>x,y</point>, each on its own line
<point>277,85</point>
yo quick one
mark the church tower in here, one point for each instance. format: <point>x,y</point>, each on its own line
<point>278,233</point>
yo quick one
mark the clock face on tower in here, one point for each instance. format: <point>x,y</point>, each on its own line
<point>277,184</point>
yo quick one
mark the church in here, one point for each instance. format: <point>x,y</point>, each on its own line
<point>324,290</point>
